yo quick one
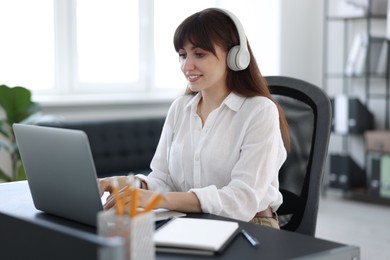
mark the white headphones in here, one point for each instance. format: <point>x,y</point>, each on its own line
<point>238,57</point>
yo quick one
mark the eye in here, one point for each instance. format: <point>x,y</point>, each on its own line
<point>182,56</point>
<point>200,54</point>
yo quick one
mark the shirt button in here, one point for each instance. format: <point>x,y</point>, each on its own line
<point>197,157</point>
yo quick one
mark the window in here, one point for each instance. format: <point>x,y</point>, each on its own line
<point>107,41</point>
<point>26,46</point>
<point>104,47</point>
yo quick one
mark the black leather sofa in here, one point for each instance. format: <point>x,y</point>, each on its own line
<point>119,146</point>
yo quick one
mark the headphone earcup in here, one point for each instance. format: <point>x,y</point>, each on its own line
<point>237,60</point>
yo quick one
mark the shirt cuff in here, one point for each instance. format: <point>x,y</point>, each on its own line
<point>209,199</point>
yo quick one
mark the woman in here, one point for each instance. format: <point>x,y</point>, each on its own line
<point>225,140</point>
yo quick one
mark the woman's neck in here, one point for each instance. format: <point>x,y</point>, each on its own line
<point>210,101</point>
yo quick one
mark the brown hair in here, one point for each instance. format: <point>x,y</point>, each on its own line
<point>211,26</point>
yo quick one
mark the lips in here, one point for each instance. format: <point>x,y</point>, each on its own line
<point>193,78</point>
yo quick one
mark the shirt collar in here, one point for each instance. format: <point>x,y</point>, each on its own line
<point>193,103</point>
<point>232,101</point>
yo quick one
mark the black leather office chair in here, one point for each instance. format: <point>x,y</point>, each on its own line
<point>308,113</point>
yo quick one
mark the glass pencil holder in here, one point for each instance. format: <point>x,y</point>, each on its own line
<point>136,233</point>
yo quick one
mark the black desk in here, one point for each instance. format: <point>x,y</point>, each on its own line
<point>26,233</point>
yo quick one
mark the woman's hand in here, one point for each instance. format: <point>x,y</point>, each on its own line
<point>143,199</point>
<point>179,201</point>
<point>105,184</point>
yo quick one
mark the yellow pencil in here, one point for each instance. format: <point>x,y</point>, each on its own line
<point>118,202</point>
<point>134,183</point>
<point>133,202</point>
<point>126,194</point>
<point>152,203</point>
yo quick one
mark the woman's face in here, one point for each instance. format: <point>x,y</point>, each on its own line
<point>203,70</point>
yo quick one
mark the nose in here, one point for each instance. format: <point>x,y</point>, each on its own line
<point>187,64</point>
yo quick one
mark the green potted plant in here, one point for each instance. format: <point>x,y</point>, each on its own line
<point>17,107</point>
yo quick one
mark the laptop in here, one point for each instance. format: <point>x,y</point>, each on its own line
<point>60,171</point>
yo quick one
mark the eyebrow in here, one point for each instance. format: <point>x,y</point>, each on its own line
<point>193,48</point>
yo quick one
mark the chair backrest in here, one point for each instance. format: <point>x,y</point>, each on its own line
<point>308,112</point>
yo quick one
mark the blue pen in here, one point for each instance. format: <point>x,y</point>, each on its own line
<point>254,242</point>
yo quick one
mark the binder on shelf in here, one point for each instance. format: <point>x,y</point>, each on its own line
<point>345,174</point>
<point>384,191</point>
<point>360,63</point>
<point>382,59</point>
<point>350,116</point>
<point>357,55</point>
<point>378,173</point>
<point>377,62</point>
<point>373,173</point>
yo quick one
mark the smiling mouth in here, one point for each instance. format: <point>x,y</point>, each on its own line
<point>193,78</point>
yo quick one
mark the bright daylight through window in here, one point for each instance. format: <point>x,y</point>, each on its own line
<point>78,47</point>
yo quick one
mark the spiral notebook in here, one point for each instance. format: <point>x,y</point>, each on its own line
<point>195,236</point>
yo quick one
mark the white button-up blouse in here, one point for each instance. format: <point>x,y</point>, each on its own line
<point>231,163</point>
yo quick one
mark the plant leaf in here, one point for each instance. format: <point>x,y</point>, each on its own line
<point>16,103</point>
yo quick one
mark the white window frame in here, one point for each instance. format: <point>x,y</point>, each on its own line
<point>67,90</point>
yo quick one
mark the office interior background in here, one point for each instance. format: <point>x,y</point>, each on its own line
<point>98,59</point>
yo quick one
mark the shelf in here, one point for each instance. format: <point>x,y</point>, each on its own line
<point>377,38</point>
<point>342,76</point>
<point>365,196</point>
<point>349,134</point>
<point>362,55</point>
<point>360,195</point>
<point>363,18</point>
<point>378,96</point>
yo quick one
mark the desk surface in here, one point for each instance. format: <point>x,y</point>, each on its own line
<point>25,232</point>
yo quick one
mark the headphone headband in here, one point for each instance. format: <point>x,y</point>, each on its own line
<point>238,56</point>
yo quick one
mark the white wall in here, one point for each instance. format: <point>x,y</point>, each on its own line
<point>301,39</point>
